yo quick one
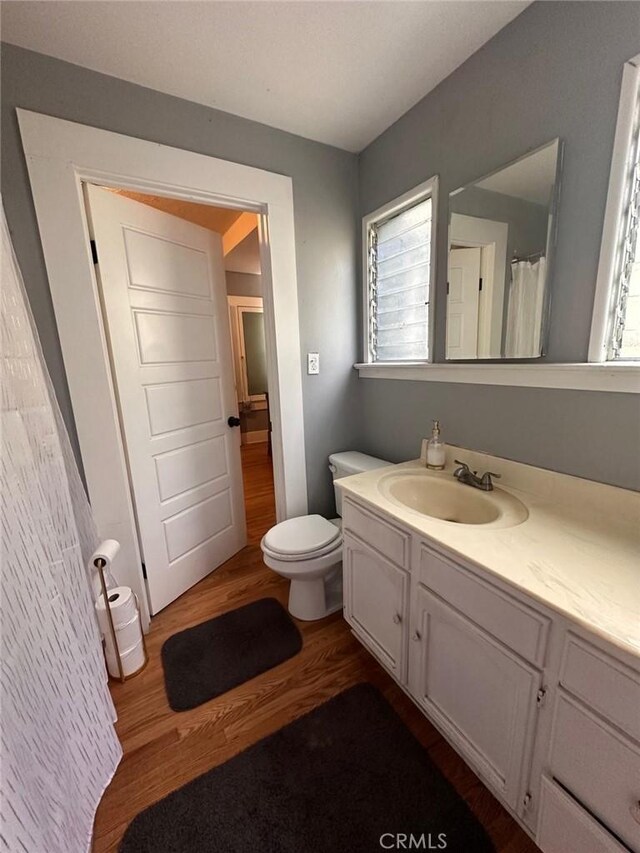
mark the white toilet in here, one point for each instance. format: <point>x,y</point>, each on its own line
<point>308,550</point>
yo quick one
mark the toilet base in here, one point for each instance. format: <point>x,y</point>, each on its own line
<point>310,600</point>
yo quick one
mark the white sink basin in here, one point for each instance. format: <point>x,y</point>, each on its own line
<point>441,497</point>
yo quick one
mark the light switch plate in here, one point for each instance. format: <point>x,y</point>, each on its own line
<point>313,363</point>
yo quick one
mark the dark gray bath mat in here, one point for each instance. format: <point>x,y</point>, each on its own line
<point>334,781</point>
<point>209,659</point>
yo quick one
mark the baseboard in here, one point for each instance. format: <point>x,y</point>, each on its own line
<point>256,436</point>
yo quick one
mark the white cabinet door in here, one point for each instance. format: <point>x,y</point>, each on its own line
<point>376,603</point>
<point>478,691</point>
<point>164,296</point>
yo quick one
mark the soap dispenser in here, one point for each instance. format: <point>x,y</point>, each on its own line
<point>435,449</point>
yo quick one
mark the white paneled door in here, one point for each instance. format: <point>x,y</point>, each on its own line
<point>164,298</point>
<point>462,303</point>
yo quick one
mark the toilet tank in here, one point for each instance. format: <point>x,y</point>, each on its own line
<point>351,462</point>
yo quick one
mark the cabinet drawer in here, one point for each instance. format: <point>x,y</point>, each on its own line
<point>514,624</point>
<point>599,766</point>
<point>392,543</point>
<point>565,827</point>
<point>603,683</point>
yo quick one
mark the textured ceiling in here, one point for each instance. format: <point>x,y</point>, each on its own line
<point>336,72</point>
<point>217,219</point>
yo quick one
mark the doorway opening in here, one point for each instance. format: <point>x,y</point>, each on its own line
<point>181,296</point>
<point>246,318</point>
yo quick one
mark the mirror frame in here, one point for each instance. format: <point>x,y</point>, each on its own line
<point>552,239</point>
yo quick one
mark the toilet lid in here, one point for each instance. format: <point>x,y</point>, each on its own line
<point>301,535</point>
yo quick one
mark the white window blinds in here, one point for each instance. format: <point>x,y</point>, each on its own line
<point>398,279</point>
<point>625,340</point>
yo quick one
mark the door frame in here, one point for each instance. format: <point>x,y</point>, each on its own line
<point>61,156</point>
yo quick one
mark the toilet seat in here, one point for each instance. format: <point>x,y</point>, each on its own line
<point>302,538</point>
<point>333,547</point>
<point>311,566</point>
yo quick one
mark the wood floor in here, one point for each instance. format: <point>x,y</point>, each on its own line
<point>163,750</point>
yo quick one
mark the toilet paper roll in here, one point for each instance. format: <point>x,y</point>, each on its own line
<point>107,551</point>
<point>122,603</point>
<point>132,660</point>
<point>127,636</point>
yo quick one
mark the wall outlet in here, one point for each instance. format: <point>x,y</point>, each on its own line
<point>313,363</point>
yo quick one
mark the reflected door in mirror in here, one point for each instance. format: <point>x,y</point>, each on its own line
<point>463,297</point>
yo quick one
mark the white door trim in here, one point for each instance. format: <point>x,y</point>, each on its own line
<point>60,156</point>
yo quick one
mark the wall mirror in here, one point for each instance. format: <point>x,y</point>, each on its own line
<point>249,349</point>
<point>501,234</point>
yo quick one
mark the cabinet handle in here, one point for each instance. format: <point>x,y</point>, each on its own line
<point>397,618</point>
<point>635,811</point>
<point>417,636</point>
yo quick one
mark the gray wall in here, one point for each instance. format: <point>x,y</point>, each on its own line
<point>243,284</point>
<point>245,256</point>
<point>554,71</point>
<point>324,188</point>
<point>593,435</point>
<point>527,222</point>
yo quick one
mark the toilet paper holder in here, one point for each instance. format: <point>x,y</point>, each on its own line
<point>100,564</point>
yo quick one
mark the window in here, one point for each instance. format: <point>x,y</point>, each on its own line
<point>616,326</point>
<point>398,241</point>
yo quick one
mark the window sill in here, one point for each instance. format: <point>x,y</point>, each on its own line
<point>622,377</point>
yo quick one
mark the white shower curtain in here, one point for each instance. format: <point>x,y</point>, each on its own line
<point>524,313</point>
<point>59,749</point>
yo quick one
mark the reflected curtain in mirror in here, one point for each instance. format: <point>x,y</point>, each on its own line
<point>524,312</point>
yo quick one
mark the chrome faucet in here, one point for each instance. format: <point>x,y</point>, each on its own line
<point>470,478</point>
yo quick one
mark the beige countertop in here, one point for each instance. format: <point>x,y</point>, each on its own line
<point>578,550</point>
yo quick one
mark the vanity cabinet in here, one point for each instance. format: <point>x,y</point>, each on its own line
<point>547,713</point>
<point>564,826</point>
<point>476,690</point>
<point>376,603</point>
<point>598,703</point>
<point>598,765</point>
